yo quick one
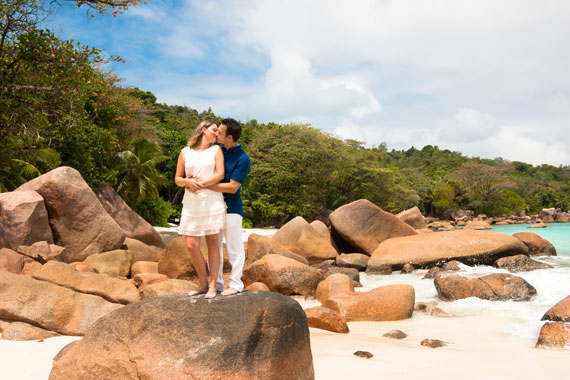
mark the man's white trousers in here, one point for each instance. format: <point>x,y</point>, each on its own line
<point>236,253</point>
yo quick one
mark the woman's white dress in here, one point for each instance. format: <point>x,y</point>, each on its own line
<point>203,212</point>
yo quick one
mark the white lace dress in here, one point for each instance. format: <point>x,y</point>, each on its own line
<point>203,212</point>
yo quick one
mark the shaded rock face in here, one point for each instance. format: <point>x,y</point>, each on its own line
<point>178,337</point>
<point>24,219</point>
<point>259,246</point>
<point>363,225</point>
<point>283,275</point>
<point>537,246</point>
<point>350,272</point>
<point>493,287</point>
<point>78,221</point>
<point>413,217</point>
<point>107,287</point>
<point>554,335</point>
<point>301,238</point>
<point>133,225</point>
<point>520,263</point>
<point>325,319</point>
<point>386,303</point>
<point>49,306</point>
<point>559,312</point>
<point>467,246</point>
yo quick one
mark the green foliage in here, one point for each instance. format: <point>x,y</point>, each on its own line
<point>137,176</point>
<point>155,211</point>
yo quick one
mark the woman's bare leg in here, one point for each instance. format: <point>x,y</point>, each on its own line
<point>193,246</point>
<point>214,263</point>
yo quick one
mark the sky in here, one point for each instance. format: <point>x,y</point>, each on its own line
<point>487,78</point>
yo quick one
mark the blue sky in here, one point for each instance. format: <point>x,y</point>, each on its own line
<point>486,78</point>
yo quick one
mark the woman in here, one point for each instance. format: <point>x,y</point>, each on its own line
<point>201,164</point>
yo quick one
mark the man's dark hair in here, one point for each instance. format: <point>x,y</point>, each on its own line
<point>233,128</point>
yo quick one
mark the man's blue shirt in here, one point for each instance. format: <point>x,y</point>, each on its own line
<point>236,167</point>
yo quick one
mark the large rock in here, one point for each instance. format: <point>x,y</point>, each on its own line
<point>357,261</point>
<point>477,225</point>
<point>116,263</point>
<point>386,303</point>
<point>559,312</point>
<point>77,219</point>
<point>142,251</point>
<point>467,246</point>
<point>363,225</point>
<point>332,286</point>
<point>520,263</point>
<point>102,285</point>
<point>175,261</point>
<point>24,219</point>
<point>537,246</point>
<point>49,306</point>
<point>24,331</point>
<point>493,287</point>
<point>283,275</point>
<point>326,319</point>
<point>547,214</point>
<point>259,246</point>
<point>413,217</point>
<point>170,286</point>
<point>321,229</point>
<point>177,337</point>
<point>11,261</point>
<point>132,224</point>
<point>554,335</point>
<point>42,251</point>
<point>301,238</point>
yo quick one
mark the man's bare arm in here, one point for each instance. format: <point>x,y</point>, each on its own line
<point>226,187</point>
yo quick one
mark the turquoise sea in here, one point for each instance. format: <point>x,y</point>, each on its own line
<point>518,320</point>
<point>556,233</point>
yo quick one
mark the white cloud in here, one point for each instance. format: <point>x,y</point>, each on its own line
<point>457,74</point>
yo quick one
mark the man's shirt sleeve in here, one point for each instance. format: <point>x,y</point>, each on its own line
<point>241,169</point>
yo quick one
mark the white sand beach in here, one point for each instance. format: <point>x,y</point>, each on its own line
<point>478,349</point>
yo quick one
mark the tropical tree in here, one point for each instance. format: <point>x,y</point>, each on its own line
<point>137,175</point>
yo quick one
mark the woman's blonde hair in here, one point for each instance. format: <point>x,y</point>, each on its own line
<point>196,138</point>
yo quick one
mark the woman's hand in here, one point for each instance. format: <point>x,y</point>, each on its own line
<point>194,184</point>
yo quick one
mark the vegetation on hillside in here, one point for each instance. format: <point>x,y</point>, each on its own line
<point>59,106</point>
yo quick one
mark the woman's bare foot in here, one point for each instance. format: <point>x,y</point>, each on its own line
<point>193,293</point>
<point>229,292</point>
<point>211,292</point>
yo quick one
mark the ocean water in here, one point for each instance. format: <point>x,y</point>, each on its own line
<point>519,320</point>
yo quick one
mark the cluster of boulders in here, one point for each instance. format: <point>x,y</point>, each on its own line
<point>71,256</point>
<point>467,219</point>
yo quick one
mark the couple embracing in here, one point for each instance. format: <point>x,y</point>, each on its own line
<point>212,207</point>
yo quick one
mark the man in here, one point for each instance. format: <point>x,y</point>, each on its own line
<point>236,166</point>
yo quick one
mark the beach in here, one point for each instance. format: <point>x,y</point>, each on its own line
<point>485,339</point>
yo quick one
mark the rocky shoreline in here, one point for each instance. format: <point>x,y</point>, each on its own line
<point>72,260</point>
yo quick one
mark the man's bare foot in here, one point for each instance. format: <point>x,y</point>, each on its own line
<point>229,292</point>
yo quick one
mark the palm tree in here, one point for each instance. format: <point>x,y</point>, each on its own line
<point>137,176</point>
<point>36,163</point>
